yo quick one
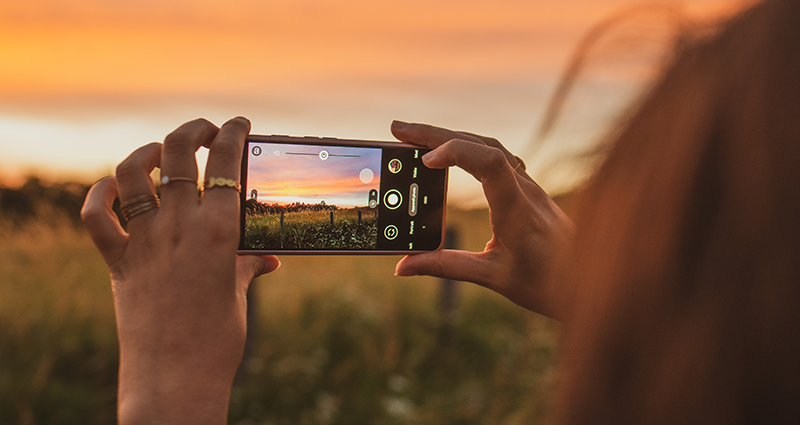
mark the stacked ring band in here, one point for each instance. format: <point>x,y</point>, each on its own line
<point>520,163</point>
<point>214,182</point>
<point>138,205</point>
<point>167,179</point>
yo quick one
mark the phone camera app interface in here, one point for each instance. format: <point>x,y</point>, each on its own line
<point>412,202</point>
<point>308,197</point>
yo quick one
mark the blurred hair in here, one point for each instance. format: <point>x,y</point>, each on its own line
<point>684,278</point>
<point>632,45</point>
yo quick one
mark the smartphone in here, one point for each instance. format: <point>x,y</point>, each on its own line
<point>312,195</point>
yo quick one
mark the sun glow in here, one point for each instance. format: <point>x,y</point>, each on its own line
<point>341,68</point>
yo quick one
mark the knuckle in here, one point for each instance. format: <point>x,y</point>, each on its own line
<point>93,212</point>
<point>495,158</point>
<point>89,214</point>
<point>126,169</point>
<point>450,147</point>
<point>472,137</point>
<point>197,124</point>
<point>227,151</point>
<point>178,141</point>
<point>183,136</point>
<point>491,141</point>
<point>421,130</point>
<point>241,124</point>
<point>134,161</point>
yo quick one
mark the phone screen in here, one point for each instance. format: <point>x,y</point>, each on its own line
<point>336,197</point>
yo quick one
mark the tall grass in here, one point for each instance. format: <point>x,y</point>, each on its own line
<point>58,359</point>
<point>312,230</point>
<point>338,340</point>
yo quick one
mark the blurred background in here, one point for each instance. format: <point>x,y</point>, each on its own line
<point>336,340</point>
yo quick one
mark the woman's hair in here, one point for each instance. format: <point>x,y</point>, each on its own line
<point>684,280</point>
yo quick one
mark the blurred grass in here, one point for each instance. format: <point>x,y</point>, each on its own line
<point>339,340</point>
<point>58,358</point>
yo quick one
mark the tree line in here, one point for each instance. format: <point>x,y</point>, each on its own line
<point>252,206</point>
<point>42,201</point>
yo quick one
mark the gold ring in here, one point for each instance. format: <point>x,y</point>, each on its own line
<point>167,179</point>
<point>213,182</point>
<point>138,205</point>
<point>520,163</point>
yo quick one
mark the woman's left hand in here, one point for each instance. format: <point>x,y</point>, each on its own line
<point>529,229</point>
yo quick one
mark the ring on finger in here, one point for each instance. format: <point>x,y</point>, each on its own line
<point>138,205</point>
<point>520,163</point>
<point>221,182</point>
<point>165,180</point>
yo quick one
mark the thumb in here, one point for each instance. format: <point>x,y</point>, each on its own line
<point>249,267</point>
<point>101,222</point>
<point>449,264</point>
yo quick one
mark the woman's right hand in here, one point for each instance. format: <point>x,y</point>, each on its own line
<point>180,291</point>
<point>528,228</point>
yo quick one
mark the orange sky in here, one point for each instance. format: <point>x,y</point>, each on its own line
<point>82,82</point>
<point>282,175</point>
<point>100,47</point>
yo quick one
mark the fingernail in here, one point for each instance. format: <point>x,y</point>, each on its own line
<point>399,125</point>
<point>428,156</point>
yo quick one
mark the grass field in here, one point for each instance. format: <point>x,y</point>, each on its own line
<point>312,230</point>
<point>338,340</point>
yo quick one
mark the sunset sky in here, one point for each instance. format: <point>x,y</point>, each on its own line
<point>285,174</point>
<point>84,82</point>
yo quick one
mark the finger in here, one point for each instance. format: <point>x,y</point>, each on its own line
<point>249,267</point>
<point>485,163</point>
<point>225,161</point>
<point>101,222</point>
<point>529,187</point>
<point>448,264</point>
<point>133,177</point>
<point>507,202</point>
<point>426,135</point>
<point>432,137</point>
<point>179,165</point>
<point>522,171</point>
<point>515,161</point>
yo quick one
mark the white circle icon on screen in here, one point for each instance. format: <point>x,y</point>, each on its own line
<point>366,175</point>
<point>256,150</point>
<point>392,199</point>
<point>390,232</point>
<point>323,155</point>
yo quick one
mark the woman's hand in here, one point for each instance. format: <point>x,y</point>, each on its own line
<point>179,288</point>
<point>528,227</point>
